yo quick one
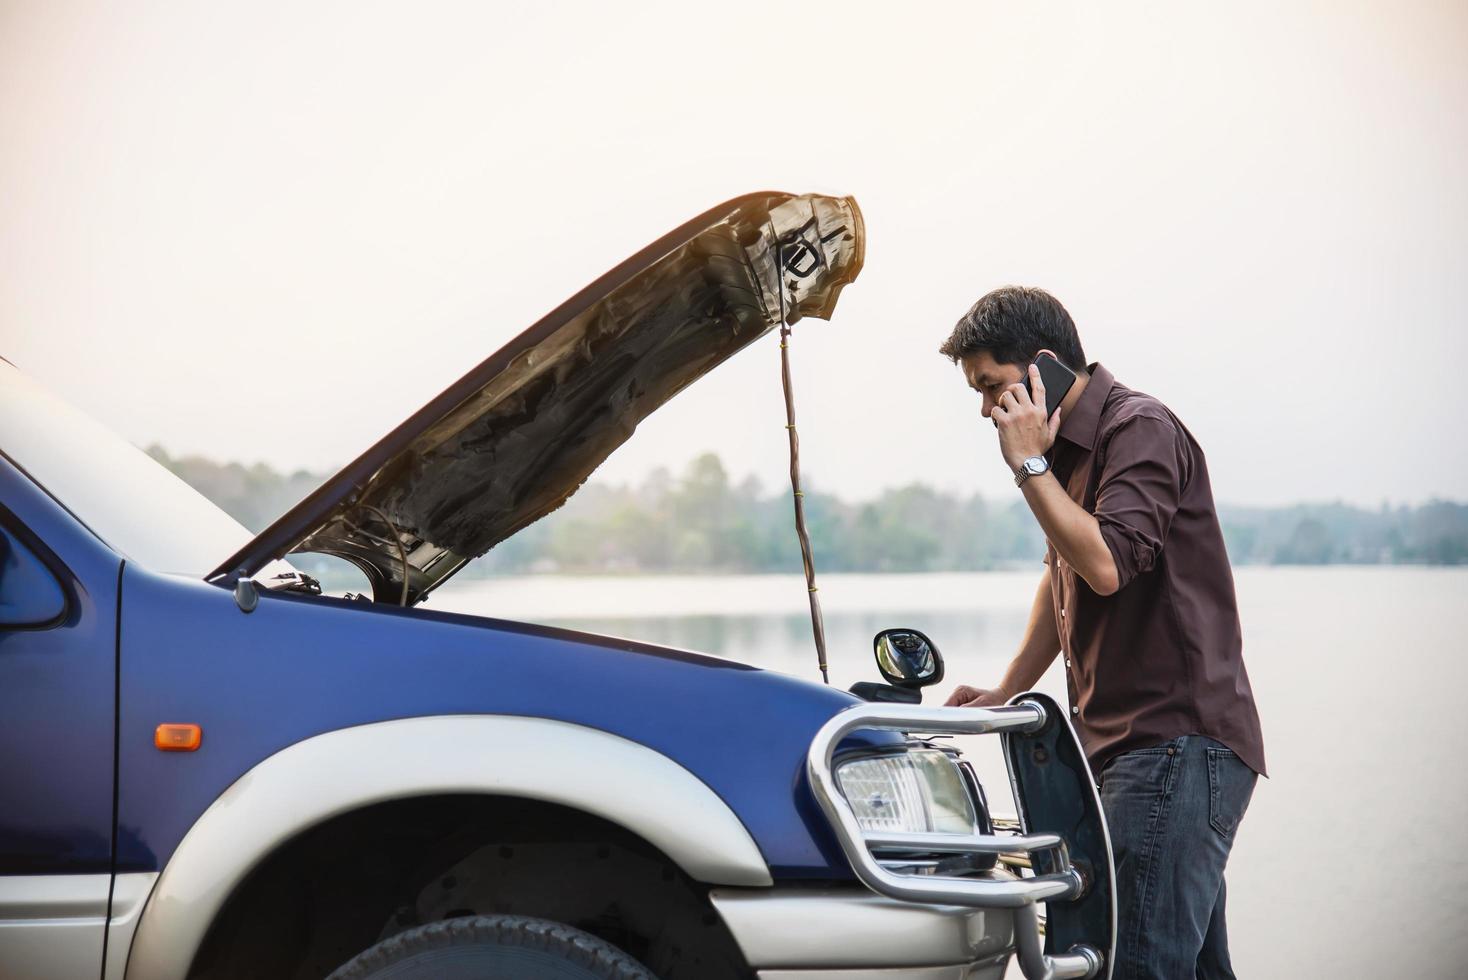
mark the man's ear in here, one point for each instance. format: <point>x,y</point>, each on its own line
<point>1046,350</point>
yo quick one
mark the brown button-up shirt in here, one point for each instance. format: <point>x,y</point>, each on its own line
<point>1163,655</point>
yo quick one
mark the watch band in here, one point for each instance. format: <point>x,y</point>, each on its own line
<point>1025,471</point>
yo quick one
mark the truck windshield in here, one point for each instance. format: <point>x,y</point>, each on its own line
<point>128,499</point>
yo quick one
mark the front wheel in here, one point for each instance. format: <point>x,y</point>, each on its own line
<point>493,947</point>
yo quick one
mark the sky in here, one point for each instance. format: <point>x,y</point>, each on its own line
<point>269,232</point>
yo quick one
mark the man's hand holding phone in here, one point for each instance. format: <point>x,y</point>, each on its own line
<point>1024,428</point>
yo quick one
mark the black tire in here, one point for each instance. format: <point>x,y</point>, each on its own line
<point>493,947</point>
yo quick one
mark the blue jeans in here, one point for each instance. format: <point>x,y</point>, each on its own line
<point>1173,810</point>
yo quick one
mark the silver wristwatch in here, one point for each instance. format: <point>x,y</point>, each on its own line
<point>1033,466</point>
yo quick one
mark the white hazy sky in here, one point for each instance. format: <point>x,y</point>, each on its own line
<point>270,231</point>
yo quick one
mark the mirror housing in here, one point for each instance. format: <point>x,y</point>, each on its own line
<point>872,691</point>
<point>907,658</point>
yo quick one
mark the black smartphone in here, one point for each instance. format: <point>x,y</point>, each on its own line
<point>1057,379</point>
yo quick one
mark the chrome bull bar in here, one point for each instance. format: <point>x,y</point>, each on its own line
<point>1032,725</point>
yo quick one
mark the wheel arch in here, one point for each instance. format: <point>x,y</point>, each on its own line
<point>332,774</point>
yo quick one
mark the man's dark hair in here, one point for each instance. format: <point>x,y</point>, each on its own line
<point>1013,323</point>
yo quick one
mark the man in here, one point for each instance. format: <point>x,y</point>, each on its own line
<point>1139,599</point>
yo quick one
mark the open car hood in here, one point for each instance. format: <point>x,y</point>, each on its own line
<point>510,441</point>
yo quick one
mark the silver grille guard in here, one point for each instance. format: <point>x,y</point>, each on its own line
<point>1057,879</point>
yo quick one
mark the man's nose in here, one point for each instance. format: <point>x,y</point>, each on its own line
<point>988,406</point>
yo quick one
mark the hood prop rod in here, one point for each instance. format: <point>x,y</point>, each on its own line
<point>818,626</point>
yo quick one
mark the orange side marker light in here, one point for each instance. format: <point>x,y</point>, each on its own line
<point>177,738</point>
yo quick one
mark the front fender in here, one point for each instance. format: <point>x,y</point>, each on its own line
<point>333,773</point>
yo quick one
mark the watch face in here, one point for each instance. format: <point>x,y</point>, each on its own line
<point>1035,465</point>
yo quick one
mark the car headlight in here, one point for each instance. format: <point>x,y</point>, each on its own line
<point>919,791</point>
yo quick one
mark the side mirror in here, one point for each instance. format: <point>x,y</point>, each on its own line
<point>907,658</point>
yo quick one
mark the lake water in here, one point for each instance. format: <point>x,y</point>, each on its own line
<point>1350,861</point>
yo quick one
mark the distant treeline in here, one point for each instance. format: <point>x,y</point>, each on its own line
<point>703,521</point>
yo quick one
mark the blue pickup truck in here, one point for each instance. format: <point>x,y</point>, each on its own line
<point>210,769</point>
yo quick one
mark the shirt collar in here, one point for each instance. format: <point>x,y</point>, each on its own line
<point>1079,427</point>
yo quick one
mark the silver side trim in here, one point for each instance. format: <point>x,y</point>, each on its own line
<point>331,774</point>
<point>51,926</point>
<point>129,893</point>
<point>854,928</point>
<point>53,896</point>
<point>978,971</point>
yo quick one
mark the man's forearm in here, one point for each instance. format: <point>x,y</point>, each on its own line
<point>1038,648</point>
<point>1027,430</point>
<point>1075,533</point>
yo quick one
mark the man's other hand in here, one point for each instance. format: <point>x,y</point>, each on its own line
<point>964,696</point>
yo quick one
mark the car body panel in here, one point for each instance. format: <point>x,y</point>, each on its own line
<point>299,666</point>
<point>57,693</point>
<point>350,769</point>
<point>858,929</point>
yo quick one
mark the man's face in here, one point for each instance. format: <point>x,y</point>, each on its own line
<point>989,378</point>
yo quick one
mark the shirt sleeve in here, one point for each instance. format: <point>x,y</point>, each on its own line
<point>1139,492</point>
